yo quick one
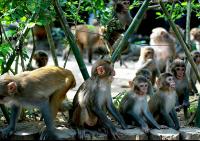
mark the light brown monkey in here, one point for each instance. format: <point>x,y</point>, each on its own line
<point>40,59</point>
<point>44,88</point>
<point>162,103</point>
<point>164,46</point>
<point>89,38</point>
<point>192,79</point>
<point>195,36</point>
<point>134,105</point>
<point>148,61</point>
<point>93,99</point>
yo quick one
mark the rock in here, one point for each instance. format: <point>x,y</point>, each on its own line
<point>66,133</point>
<point>26,131</point>
<point>164,134</point>
<point>132,134</point>
<point>189,133</point>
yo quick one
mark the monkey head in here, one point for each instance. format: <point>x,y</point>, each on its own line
<point>41,58</point>
<point>195,34</point>
<point>178,68</point>
<point>145,72</point>
<point>140,85</point>
<point>103,69</point>
<point>196,56</point>
<point>147,53</point>
<point>166,82</point>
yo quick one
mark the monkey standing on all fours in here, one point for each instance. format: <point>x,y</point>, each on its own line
<point>134,106</point>
<point>44,88</point>
<point>93,98</point>
<point>192,78</point>
<point>162,104</point>
<point>178,68</point>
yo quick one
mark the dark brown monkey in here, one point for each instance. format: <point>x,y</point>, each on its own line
<point>162,103</point>
<point>195,36</point>
<point>40,59</point>
<point>134,106</point>
<point>163,44</point>
<point>192,79</point>
<point>44,88</point>
<point>93,98</point>
<point>89,38</point>
<point>147,60</point>
<point>178,68</point>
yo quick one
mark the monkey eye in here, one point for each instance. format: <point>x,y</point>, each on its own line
<point>180,68</point>
<point>143,85</point>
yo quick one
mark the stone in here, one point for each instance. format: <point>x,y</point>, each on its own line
<point>189,133</point>
<point>164,134</point>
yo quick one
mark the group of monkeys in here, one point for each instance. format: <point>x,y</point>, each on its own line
<point>46,86</point>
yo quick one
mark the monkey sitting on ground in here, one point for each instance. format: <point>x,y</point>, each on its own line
<point>44,88</point>
<point>195,36</point>
<point>134,106</point>
<point>40,59</point>
<point>93,98</point>
<point>162,103</point>
<point>178,68</point>
<point>148,60</point>
<point>192,79</point>
<point>164,45</point>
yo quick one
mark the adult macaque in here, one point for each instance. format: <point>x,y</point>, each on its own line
<point>192,79</point>
<point>134,106</point>
<point>89,38</point>
<point>178,68</point>
<point>147,60</point>
<point>40,59</point>
<point>93,98</point>
<point>162,103</point>
<point>195,36</point>
<point>164,46</point>
<point>44,88</point>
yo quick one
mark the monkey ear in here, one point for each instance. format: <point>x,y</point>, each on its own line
<point>100,70</point>
<point>12,88</point>
<point>130,84</point>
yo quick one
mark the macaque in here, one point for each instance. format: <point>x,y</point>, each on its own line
<point>44,88</point>
<point>147,60</point>
<point>40,59</point>
<point>134,106</point>
<point>195,36</point>
<point>162,103</point>
<point>164,45</point>
<point>148,75</point>
<point>93,98</point>
<point>89,38</point>
<point>192,79</point>
<point>178,68</point>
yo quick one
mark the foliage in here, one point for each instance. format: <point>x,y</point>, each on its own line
<point>177,10</point>
<point>117,99</point>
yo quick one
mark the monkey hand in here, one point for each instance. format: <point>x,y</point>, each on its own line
<point>186,104</point>
<point>6,132</point>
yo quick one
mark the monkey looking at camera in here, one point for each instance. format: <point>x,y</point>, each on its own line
<point>93,98</point>
<point>162,103</point>
<point>178,68</point>
<point>192,79</point>
<point>134,106</point>
<point>44,88</point>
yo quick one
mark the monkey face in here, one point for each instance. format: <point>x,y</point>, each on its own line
<point>143,88</point>
<point>170,81</point>
<point>180,72</point>
<point>196,58</point>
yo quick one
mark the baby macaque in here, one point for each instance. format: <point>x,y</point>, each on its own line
<point>44,88</point>
<point>164,45</point>
<point>134,106</point>
<point>93,99</point>
<point>162,103</point>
